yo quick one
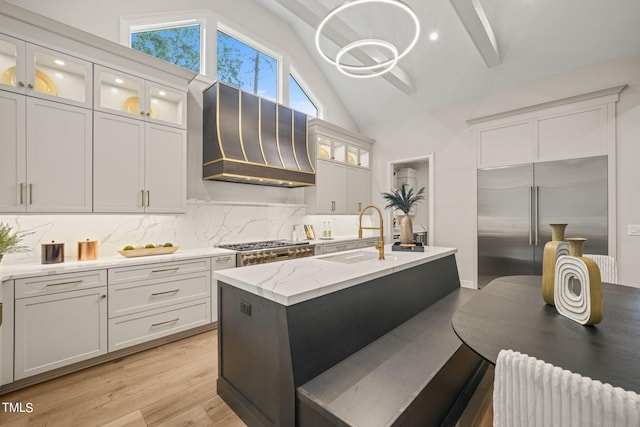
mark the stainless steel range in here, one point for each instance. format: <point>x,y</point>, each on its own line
<point>251,253</point>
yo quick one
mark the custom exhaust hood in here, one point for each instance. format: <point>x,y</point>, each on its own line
<point>251,140</point>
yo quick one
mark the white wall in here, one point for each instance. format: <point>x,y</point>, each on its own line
<point>444,132</point>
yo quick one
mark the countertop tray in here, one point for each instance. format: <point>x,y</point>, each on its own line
<point>146,252</point>
<point>416,247</point>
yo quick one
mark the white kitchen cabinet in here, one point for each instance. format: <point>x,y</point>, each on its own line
<point>59,329</point>
<point>59,157</point>
<point>47,155</point>
<point>220,262</point>
<point>13,167</point>
<point>40,72</point>
<point>124,94</point>
<point>138,166</point>
<point>358,190</point>
<point>6,332</point>
<point>156,300</point>
<point>330,190</point>
<point>580,126</point>
<point>343,177</point>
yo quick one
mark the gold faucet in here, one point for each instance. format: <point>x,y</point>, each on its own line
<point>380,244</point>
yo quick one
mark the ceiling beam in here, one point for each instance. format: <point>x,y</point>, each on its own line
<point>477,25</point>
<point>312,12</point>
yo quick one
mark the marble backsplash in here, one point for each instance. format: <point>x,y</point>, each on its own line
<point>204,224</point>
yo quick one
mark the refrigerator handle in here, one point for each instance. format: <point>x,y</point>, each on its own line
<point>530,215</point>
<point>535,224</point>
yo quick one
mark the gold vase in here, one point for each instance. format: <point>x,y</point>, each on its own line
<point>576,245</point>
<point>552,250</point>
<point>406,230</point>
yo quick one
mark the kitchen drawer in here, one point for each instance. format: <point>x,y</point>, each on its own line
<point>339,247</point>
<point>53,284</point>
<point>222,262</point>
<point>367,242</point>
<point>157,270</point>
<point>127,298</point>
<point>134,329</point>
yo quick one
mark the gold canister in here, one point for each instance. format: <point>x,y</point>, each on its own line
<point>87,250</point>
<point>52,253</point>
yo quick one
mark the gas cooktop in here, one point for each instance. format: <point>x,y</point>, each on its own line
<point>256,246</point>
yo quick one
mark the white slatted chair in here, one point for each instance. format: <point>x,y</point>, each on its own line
<point>607,266</point>
<point>531,393</point>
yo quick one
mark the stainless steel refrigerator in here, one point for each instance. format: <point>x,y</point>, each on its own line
<point>516,204</point>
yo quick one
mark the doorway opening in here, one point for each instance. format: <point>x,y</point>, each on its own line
<point>415,172</point>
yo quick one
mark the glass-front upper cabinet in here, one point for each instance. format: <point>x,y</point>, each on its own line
<point>357,156</point>
<point>330,149</point>
<point>11,64</point>
<point>44,73</point>
<point>127,95</point>
<point>58,77</point>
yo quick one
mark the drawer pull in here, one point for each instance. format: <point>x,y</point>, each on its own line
<point>155,294</point>
<point>75,282</point>
<point>341,247</point>
<point>153,325</point>
<point>164,270</point>
<point>223,258</point>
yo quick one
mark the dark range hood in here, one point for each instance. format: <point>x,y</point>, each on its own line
<point>251,140</point>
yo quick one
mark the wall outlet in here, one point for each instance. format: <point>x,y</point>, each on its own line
<point>245,308</point>
<point>633,230</point>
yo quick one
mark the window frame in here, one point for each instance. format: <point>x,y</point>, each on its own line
<point>166,21</point>
<point>260,47</point>
<point>293,73</point>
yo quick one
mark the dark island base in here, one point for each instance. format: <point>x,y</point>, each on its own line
<point>267,350</point>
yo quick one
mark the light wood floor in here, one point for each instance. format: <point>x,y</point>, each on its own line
<point>171,385</point>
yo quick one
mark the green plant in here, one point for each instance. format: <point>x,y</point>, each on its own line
<point>403,199</point>
<point>9,243</point>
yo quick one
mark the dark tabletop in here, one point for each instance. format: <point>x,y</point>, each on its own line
<point>510,313</point>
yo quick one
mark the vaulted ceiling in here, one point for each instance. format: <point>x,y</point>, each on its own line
<point>534,39</point>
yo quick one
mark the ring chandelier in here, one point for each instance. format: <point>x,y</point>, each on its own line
<point>378,68</point>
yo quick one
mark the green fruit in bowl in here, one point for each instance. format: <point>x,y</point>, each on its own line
<point>150,246</point>
<point>168,245</point>
<point>128,248</point>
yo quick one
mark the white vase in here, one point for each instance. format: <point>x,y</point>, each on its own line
<point>406,230</point>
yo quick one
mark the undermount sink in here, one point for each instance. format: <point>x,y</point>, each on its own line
<point>351,257</point>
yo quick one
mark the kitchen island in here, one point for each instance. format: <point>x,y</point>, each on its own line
<point>283,324</point>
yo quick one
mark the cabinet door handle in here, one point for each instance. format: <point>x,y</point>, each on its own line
<point>103,296</point>
<point>30,194</point>
<point>142,198</point>
<point>359,206</point>
<point>153,325</point>
<point>73,282</point>
<point>164,270</point>
<point>30,86</point>
<point>21,193</point>
<point>155,294</point>
<point>148,198</point>
<point>20,84</point>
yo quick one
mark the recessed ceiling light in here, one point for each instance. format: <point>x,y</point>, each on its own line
<point>162,93</point>
<point>59,62</point>
<point>433,36</point>
<point>119,81</point>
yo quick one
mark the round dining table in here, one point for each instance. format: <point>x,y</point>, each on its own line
<point>509,313</point>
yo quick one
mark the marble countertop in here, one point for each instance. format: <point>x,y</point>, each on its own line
<point>299,280</point>
<point>18,271</point>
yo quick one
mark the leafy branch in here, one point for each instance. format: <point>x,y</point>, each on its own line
<point>9,243</point>
<point>403,199</point>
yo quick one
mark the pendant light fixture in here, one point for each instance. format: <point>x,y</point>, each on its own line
<point>391,53</point>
